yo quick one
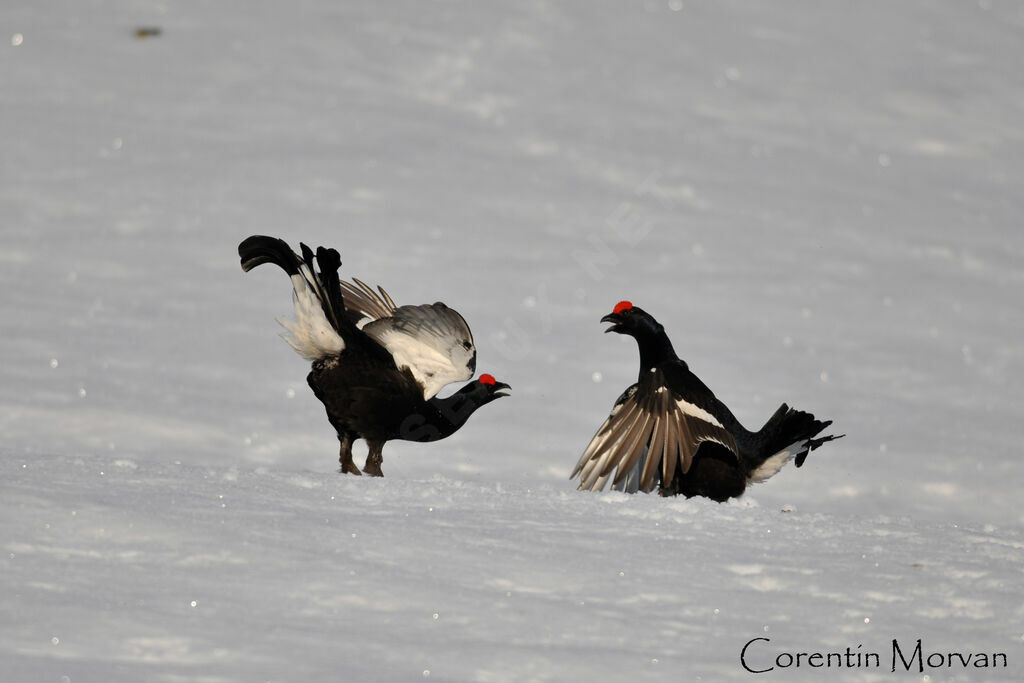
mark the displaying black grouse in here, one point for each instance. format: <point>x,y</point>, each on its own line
<point>376,366</point>
<point>669,430</point>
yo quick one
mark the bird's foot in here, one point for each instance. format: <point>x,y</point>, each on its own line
<point>372,466</point>
<point>349,468</point>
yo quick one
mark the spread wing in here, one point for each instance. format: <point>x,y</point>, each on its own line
<point>650,430</point>
<point>432,341</point>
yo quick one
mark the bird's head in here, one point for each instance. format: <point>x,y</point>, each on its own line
<point>628,319</point>
<point>485,389</point>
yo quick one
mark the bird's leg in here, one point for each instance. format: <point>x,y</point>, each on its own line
<point>345,456</point>
<point>374,459</point>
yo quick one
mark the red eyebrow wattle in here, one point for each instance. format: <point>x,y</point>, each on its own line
<point>622,306</point>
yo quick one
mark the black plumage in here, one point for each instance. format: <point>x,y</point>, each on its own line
<point>376,366</point>
<point>670,431</point>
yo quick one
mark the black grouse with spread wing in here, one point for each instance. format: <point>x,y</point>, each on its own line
<point>376,366</point>
<point>668,430</point>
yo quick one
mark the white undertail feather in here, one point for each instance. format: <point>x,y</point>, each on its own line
<point>311,333</point>
<point>770,467</point>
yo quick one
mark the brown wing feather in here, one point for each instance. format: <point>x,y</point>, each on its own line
<point>665,438</point>
<point>651,424</point>
<point>668,461</point>
<point>654,449</point>
<point>635,428</point>
<point>361,298</point>
<point>636,450</point>
<point>606,450</point>
<point>601,448</point>
<point>704,431</point>
<point>591,448</point>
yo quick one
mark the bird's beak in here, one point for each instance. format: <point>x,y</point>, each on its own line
<point>613,318</point>
<point>498,386</point>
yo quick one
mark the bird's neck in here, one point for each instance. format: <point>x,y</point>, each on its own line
<point>444,416</point>
<point>655,348</point>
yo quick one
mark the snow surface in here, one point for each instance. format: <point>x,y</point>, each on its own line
<point>821,201</point>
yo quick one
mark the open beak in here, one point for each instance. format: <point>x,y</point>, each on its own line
<point>613,318</point>
<point>498,387</point>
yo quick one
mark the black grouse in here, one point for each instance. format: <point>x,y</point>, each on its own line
<point>376,366</point>
<point>669,430</point>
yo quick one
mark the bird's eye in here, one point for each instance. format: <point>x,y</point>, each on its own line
<point>466,345</point>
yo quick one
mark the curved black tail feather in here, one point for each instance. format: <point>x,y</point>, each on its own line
<point>260,249</point>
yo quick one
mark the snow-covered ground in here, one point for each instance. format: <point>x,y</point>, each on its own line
<point>820,201</point>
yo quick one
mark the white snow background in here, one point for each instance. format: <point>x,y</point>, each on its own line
<point>821,202</point>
